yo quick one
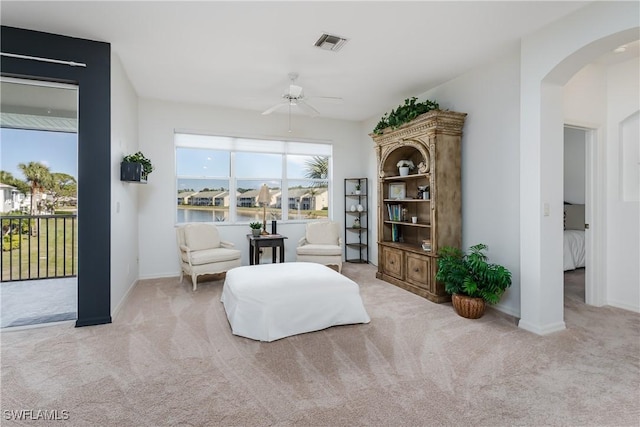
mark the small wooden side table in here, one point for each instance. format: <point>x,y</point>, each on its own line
<point>265,241</point>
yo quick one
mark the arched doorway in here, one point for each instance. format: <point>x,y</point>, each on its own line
<point>545,71</point>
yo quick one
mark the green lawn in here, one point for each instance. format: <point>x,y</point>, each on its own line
<point>52,253</point>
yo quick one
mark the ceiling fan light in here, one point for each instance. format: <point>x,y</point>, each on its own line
<point>330,42</point>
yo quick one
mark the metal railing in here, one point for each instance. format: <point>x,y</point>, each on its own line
<point>39,247</point>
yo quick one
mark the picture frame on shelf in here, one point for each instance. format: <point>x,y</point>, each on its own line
<point>398,190</point>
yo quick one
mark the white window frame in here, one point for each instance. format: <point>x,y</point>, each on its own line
<point>234,144</point>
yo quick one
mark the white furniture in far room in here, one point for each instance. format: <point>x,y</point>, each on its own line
<point>321,244</point>
<point>268,302</point>
<point>202,252</point>
<point>574,237</point>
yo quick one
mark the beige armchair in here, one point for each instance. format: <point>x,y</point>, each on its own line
<point>202,252</point>
<point>321,244</point>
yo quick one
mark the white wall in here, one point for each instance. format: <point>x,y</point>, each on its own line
<point>510,171</point>
<point>124,196</point>
<point>549,57</point>
<point>157,199</point>
<point>490,173</point>
<point>623,215</point>
<point>574,165</point>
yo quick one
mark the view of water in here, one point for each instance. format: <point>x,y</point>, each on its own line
<point>196,215</point>
<point>219,215</point>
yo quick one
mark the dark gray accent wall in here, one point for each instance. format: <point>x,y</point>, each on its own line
<point>94,152</point>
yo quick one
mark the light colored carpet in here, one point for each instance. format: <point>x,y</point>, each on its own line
<point>170,359</point>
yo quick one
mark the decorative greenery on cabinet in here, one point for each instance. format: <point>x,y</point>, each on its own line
<point>404,113</point>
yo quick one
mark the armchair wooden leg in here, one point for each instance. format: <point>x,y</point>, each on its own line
<point>194,280</point>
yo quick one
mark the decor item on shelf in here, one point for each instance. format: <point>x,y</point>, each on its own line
<point>255,228</point>
<point>424,167</point>
<point>421,189</point>
<point>404,166</point>
<point>471,280</point>
<point>414,219</point>
<point>264,198</point>
<point>404,114</point>
<point>426,245</point>
<point>352,208</point>
<point>360,208</point>
<point>356,223</point>
<point>357,189</point>
<point>397,190</point>
<point>426,193</point>
<point>135,168</point>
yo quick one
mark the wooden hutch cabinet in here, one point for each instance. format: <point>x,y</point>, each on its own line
<point>419,212</point>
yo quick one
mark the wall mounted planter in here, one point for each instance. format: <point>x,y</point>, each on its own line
<point>132,172</point>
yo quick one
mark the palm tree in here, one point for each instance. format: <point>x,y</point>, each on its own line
<point>63,185</point>
<point>38,176</point>
<point>317,168</point>
<point>6,178</point>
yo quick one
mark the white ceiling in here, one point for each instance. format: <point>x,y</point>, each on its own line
<point>238,54</point>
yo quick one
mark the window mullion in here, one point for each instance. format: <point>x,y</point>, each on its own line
<point>284,204</point>
<point>233,188</point>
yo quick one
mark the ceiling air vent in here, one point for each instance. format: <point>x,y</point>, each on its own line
<point>330,42</point>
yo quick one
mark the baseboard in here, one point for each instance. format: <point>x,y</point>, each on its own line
<point>93,321</point>
<point>118,307</point>
<point>506,310</point>
<point>624,306</point>
<point>541,329</point>
<point>160,276</point>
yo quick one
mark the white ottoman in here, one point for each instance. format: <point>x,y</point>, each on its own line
<point>272,301</point>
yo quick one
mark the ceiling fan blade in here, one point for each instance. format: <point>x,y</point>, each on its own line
<point>307,108</point>
<point>274,108</point>
<point>295,91</point>
<point>335,100</point>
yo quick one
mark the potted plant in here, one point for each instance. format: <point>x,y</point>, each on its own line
<point>135,168</point>
<point>255,228</point>
<point>404,113</point>
<point>404,166</point>
<point>471,280</point>
<point>358,189</point>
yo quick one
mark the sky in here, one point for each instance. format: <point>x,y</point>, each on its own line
<point>56,150</point>
<point>198,167</point>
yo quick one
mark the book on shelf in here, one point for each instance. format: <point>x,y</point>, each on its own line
<point>395,212</point>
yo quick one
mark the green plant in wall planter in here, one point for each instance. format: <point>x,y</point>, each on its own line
<point>404,113</point>
<point>129,171</point>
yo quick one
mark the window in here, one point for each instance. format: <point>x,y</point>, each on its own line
<point>218,179</point>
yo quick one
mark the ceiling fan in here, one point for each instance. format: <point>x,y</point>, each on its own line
<point>294,97</point>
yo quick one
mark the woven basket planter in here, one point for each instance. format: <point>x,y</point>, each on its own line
<point>471,308</point>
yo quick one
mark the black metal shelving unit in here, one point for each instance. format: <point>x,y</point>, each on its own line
<point>356,247</point>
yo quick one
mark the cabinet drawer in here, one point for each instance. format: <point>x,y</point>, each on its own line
<point>392,262</point>
<point>418,270</point>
